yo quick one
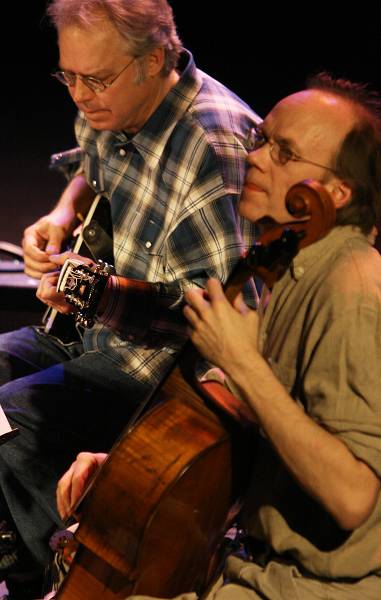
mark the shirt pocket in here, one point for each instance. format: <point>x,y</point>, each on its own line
<point>151,238</point>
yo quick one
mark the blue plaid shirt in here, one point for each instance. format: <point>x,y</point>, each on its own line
<point>173,189</point>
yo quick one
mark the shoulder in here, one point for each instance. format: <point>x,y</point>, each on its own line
<point>224,122</point>
<point>353,278</point>
<point>221,113</point>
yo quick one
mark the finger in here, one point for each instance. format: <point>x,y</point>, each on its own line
<point>33,243</point>
<point>47,293</point>
<point>85,465</point>
<point>63,493</point>
<point>53,245</point>
<point>57,302</point>
<point>34,273</point>
<point>36,268</point>
<point>197,299</point>
<point>59,259</point>
<point>77,488</point>
<point>34,253</point>
<point>240,305</point>
<point>47,285</point>
<point>191,316</point>
<point>31,239</point>
<point>215,291</point>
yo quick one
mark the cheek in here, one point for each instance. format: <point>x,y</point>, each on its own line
<point>278,196</point>
<point>277,206</point>
<point>252,205</point>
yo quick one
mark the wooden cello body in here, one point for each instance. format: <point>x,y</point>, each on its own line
<point>158,507</point>
<point>158,539</point>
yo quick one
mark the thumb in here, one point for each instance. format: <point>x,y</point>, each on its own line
<point>58,259</point>
<point>53,245</point>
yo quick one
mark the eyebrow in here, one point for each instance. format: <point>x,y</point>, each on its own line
<point>97,75</point>
<point>284,141</point>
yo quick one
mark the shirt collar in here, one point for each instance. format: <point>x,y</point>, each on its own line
<point>322,249</point>
<point>151,140</point>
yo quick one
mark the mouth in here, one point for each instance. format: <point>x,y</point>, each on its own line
<point>249,185</point>
<point>94,112</point>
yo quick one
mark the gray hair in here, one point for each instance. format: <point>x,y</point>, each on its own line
<point>145,24</point>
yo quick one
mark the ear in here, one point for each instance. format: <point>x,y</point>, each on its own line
<point>340,191</point>
<point>155,62</point>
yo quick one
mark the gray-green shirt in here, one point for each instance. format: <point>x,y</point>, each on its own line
<point>321,334</point>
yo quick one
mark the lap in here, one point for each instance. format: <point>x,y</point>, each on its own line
<point>64,401</point>
<point>60,388</point>
<point>282,581</point>
<point>28,350</point>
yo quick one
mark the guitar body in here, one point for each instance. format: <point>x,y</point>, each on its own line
<point>156,511</point>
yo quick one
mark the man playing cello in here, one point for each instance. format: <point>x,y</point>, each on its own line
<point>306,364</point>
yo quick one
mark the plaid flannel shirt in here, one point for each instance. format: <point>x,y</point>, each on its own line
<point>173,189</point>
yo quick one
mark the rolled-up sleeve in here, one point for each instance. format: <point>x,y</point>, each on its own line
<point>342,383</point>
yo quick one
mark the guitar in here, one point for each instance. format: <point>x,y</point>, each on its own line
<point>94,241</point>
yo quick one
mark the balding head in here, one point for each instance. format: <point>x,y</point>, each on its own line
<point>358,160</point>
<point>323,119</point>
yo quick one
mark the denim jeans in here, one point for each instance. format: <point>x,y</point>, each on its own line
<point>63,401</point>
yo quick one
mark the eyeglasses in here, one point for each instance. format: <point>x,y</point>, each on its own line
<point>96,85</point>
<point>280,153</point>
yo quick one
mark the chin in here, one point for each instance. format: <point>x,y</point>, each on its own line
<point>249,210</point>
<point>101,121</point>
<point>99,126</point>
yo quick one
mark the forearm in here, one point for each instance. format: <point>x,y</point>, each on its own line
<point>137,308</point>
<point>74,202</point>
<point>320,462</point>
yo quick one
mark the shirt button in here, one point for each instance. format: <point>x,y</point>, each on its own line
<point>148,244</point>
<point>122,152</point>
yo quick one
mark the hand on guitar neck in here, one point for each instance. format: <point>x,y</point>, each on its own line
<point>47,289</point>
<point>45,257</point>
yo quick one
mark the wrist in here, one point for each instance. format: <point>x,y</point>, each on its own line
<point>242,364</point>
<point>105,297</point>
<point>64,217</point>
<point>253,376</point>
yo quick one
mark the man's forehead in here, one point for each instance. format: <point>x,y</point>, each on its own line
<point>316,105</point>
<point>314,112</point>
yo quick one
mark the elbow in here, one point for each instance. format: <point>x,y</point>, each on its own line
<point>356,510</point>
<point>351,520</point>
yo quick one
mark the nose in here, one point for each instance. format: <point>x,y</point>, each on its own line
<point>259,158</point>
<point>80,92</point>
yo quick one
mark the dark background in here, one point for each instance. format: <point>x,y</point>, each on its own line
<point>261,52</point>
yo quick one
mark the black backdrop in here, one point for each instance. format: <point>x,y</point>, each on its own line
<point>261,52</point>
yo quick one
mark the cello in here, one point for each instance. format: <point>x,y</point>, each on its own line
<point>158,508</point>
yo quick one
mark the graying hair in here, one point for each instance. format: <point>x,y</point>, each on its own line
<point>145,25</point>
